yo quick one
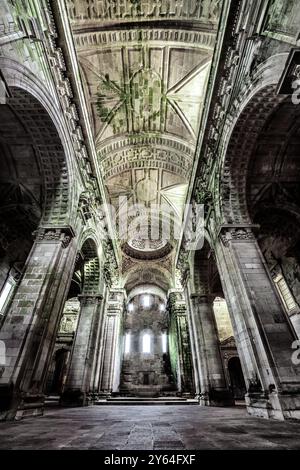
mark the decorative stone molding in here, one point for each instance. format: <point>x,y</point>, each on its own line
<point>177,161</point>
<point>89,299</point>
<point>50,234</point>
<point>124,11</point>
<point>228,233</point>
<point>183,265</point>
<point>98,39</point>
<point>66,96</point>
<point>89,208</point>
<point>176,305</point>
<point>234,82</point>
<point>110,269</point>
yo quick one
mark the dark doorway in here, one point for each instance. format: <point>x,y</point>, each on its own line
<point>61,361</point>
<point>236,378</point>
<point>146,379</point>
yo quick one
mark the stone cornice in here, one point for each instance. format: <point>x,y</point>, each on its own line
<point>67,94</point>
<point>96,38</point>
<point>106,13</point>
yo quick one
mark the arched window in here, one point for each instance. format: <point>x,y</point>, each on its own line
<point>146,301</point>
<point>146,343</point>
<point>285,293</point>
<point>5,296</point>
<point>164,343</point>
<point>127,343</point>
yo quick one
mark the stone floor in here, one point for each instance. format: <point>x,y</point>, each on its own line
<point>149,427</point>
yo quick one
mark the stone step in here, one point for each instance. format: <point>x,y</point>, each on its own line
<point>52,400</point>
<point>129,401</point>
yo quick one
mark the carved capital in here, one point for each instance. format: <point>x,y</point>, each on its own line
<point>90,299</point>
<point>50,234</point>
<point>230,232</point>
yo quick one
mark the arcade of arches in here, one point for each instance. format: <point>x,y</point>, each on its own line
<point>115,116</point>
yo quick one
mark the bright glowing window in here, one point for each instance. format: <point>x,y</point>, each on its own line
<point>130,307</point>
<point>146,343</point>
<point>285,293</point>
<point>127,343</point>
<point>164,342</point>
<point>4,296</point>
<point>146,301</point>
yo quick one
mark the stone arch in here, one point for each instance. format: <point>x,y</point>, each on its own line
<point>34,109</point>
<point>273,199</point>
<point>90,268</point>
<point>233,182</point>
<point>204,273</point>
<point>252,108</point>
<point>141,274</point>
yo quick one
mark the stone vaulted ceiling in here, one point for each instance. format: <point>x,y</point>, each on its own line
<point>144,67</point>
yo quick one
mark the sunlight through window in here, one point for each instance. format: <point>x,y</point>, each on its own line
<point>146,301</point>
<point>127,343</point>
<point>146,343</point>
<point>164,342</point>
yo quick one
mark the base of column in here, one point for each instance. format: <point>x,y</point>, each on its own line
<point>216,398</point>
<point>16,406</point>
<point>221,398</point>
<point>203,399</point>
<point>274,406</point>
<point>75,398</point>
<point>107,394</point>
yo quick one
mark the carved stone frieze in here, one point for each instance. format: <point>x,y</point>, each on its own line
<point>132,10</point>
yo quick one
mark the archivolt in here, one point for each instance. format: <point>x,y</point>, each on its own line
<point>91,268</point>
<point>233,201</point>
<point>34,107</point>
<point>257,100</point>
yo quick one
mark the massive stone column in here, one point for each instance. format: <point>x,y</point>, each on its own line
<point>213,388</point>
<point>263,332</point>
<point>30,327</point>
<point>179,343</point>
<point>109,376</point>
<point>77,389</point>
<point>96,362</point>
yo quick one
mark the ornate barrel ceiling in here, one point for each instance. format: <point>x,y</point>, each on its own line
<point>144,67</point>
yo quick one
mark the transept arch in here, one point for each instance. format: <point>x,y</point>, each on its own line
<point>253,107</point>
<point>42,127</point>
